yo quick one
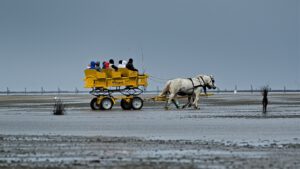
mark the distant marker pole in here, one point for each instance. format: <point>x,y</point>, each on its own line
<point>235,90</point>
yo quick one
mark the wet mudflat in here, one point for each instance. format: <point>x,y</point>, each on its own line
<point>229,131</point>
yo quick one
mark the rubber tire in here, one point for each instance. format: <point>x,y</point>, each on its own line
<point>94,105</point>
<point>103,107</point>
<point>133,103</point>
<point>125,105</point>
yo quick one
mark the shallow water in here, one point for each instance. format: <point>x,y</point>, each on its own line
<point>227,118</point>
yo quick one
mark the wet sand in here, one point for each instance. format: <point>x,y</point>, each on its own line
<point>229,131</point>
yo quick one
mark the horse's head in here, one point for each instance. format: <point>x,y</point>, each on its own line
<point>211,82</point>
<point>208,82</point>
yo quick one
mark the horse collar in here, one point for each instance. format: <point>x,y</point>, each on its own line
<point>204,84</point>
<point>192,84</point>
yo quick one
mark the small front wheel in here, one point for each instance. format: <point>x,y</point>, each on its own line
<point>94,104</point>
<point>125,104</point>
<point>137,103</point>
<point>106,103</point>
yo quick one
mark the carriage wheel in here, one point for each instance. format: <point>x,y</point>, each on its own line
<point>106,103</point>
<point>137,103</point>
<point>94,104</point>
<point>125,105</point>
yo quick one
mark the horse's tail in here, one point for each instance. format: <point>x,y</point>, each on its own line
<point>166,89</point>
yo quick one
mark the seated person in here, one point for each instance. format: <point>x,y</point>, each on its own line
<point>130,66</point>
<point>92,65</point>
<point>105,65</point>
<point>97,66</point>
<point>122,64</point>
<point>112,65</point>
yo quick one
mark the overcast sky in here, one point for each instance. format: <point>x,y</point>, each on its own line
<point>241,42</point>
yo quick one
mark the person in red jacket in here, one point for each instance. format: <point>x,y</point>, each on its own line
<point>105,65</point>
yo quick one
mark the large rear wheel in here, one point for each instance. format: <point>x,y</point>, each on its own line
<point>137,103</point>
<point>106,103</point>
<point>94,104</point>
<point>126,105</point>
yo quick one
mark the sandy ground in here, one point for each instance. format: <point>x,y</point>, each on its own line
<point>229,131</point>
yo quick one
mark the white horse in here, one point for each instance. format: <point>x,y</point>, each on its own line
<point>190,87</point>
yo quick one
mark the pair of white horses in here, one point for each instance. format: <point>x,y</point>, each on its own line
<point>190,87</point>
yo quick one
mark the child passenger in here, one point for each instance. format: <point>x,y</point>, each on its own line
<point>122,64</point>
<point>112,65</point>
<point>97,66</point>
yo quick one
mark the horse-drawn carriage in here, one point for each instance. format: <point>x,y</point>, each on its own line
<point>107,82</point>
<point>128,83</point>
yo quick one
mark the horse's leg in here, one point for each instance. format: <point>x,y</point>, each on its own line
<point>171,97</point>
<point>176,103</point>
<point>191,102</point>
<point>166,105</point>
<point>188,103</point>
<point>195,103</point>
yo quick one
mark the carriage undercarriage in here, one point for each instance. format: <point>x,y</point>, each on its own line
<point>129,98</point>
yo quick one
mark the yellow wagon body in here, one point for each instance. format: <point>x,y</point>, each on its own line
<point>109,78</point>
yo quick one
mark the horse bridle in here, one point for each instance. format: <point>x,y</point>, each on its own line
<point>205,84</point>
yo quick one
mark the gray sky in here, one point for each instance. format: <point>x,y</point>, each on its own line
<point>49,43</point>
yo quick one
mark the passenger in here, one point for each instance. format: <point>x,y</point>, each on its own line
<point>130,66</point>
<point>122,64</point>
<point>112,65</point>
<point>92,65</point>
<point>97,66</point>
<point>105,65</point>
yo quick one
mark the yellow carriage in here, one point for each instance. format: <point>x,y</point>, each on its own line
<point>108,81</point>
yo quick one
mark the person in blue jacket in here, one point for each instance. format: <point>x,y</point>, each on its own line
<point>92,65</point>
